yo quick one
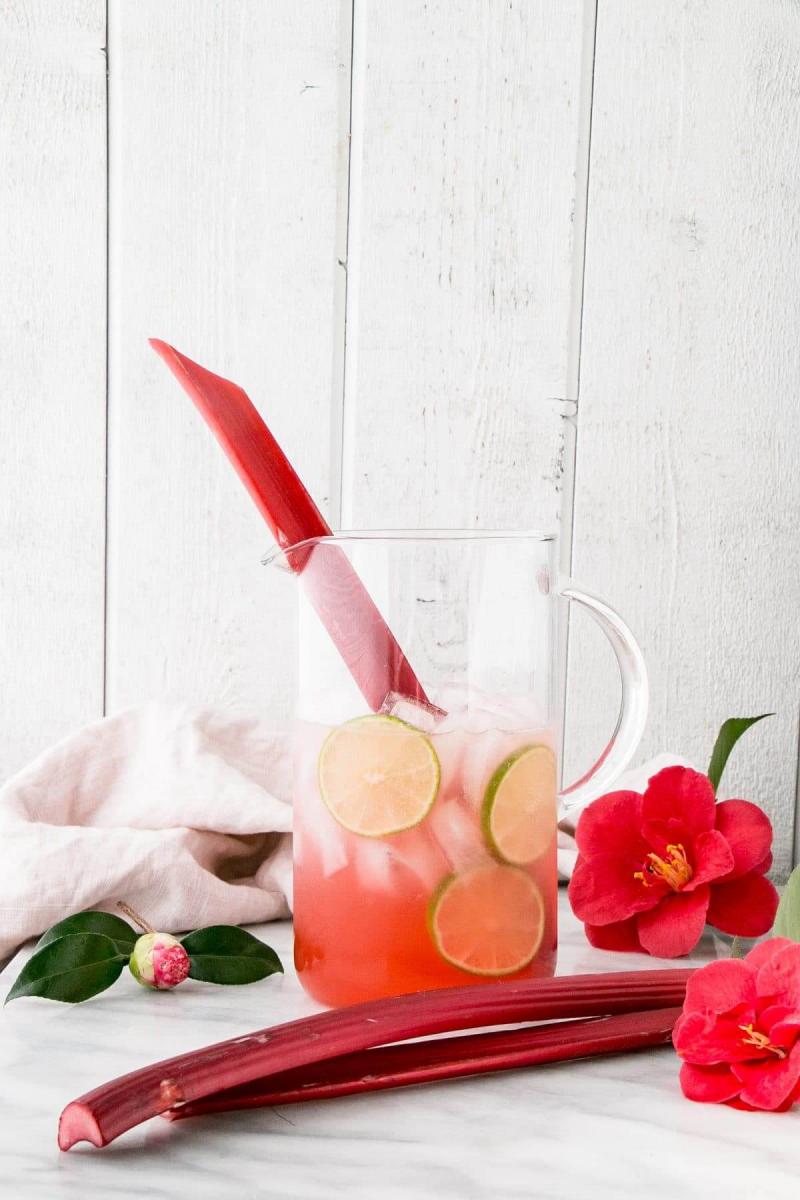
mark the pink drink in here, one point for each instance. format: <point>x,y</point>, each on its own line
<point>369,916</point>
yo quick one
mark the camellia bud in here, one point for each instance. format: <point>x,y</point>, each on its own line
<point>159,961</point>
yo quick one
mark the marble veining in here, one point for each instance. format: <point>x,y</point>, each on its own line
<point>614,1128</point>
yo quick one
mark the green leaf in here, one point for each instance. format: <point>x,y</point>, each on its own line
<point>737,948</point>
<point>71,969</point>
<point>727,738</point>
<point>228,954</point>
<point>787,918</point>
<point>118,930</point>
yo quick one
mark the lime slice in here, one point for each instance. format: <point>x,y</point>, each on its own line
<point>488,921</point>
<point>518,815</point>
<point>378,775</point>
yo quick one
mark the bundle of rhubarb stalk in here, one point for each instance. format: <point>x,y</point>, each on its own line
<point>365,1048</point>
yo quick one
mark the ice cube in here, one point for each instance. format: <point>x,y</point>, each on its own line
<point>399,862</point>
<point>325,837</point>
<point>417,851</point>
<point>505,712</point>
<point>373,864</point>
<point>455,827</point>
<point>450,748</point>
<point>316,829</point>
<point>483,754</point>
<point>452,698</point>
<point>418,713</point>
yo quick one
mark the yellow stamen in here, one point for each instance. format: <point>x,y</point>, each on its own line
<point>760,1041</point>
<point>675,869</point>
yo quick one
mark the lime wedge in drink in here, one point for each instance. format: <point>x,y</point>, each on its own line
<point>378,775</point>
<point>487,921</point>
<point>518,814</point>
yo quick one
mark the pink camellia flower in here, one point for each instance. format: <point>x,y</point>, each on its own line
<point>652,870</point>
<point>159,961</point>
<point>739,1035</point>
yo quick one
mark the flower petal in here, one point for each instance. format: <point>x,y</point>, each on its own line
<point>765,864</point>
<point>721,986</point>
<point>748,831</point>
<point>660,834</point>
<point>682,795</point>
<point>745,906</point>
<point>675,926</point>
<point>712,1085</point>
<point>737,1102</point>
<point>686,1026</point>
<point>768,1083</point>
<point>705,1039</point>
<point>779,977</point>
<point>764,951</point>
<point>604,890</point>
<point>620,935</point>
<point>711,858</point>
<point>612,825</point>
<point>782,1024</point>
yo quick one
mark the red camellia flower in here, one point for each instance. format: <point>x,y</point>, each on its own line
<point>652,870</point>
<point>739,1035</point>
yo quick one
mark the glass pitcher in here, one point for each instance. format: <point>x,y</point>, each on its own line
<point>426,746</point>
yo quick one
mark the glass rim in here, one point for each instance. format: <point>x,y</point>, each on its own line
<point>413,535</point>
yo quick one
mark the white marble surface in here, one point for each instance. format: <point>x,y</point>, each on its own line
<point>614,1128</point>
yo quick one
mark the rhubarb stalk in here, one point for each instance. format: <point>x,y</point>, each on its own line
<point>104,1113</point>
<point>444,1058</point>
<point>359,632</point>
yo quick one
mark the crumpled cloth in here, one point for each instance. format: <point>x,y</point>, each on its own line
<point>184,813</point>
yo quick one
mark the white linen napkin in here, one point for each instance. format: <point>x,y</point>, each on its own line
<point>183,813</point>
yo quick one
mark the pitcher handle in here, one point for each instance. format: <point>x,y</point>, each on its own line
<point>633,706</point>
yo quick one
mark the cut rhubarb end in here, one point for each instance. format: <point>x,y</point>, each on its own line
<point>77,1124</point>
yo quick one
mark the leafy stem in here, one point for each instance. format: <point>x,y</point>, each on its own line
<point>728,736</point>
<point>85,953</point>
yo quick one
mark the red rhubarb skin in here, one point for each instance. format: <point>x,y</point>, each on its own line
<point>415,1063</point>
<point>357,629</point>
<point>108,1111</point>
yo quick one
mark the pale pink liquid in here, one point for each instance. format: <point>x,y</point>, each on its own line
<point>361,905</point>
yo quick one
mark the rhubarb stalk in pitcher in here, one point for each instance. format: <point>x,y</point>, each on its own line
<point>425,849</point>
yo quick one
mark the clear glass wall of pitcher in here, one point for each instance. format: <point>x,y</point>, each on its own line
<point>425,832</point>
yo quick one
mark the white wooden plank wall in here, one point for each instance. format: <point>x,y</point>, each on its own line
<point>372,216</point>
<point>224,121</point>
<point>687,504</point>
<point>52,367</point>
<point>464,187</point>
